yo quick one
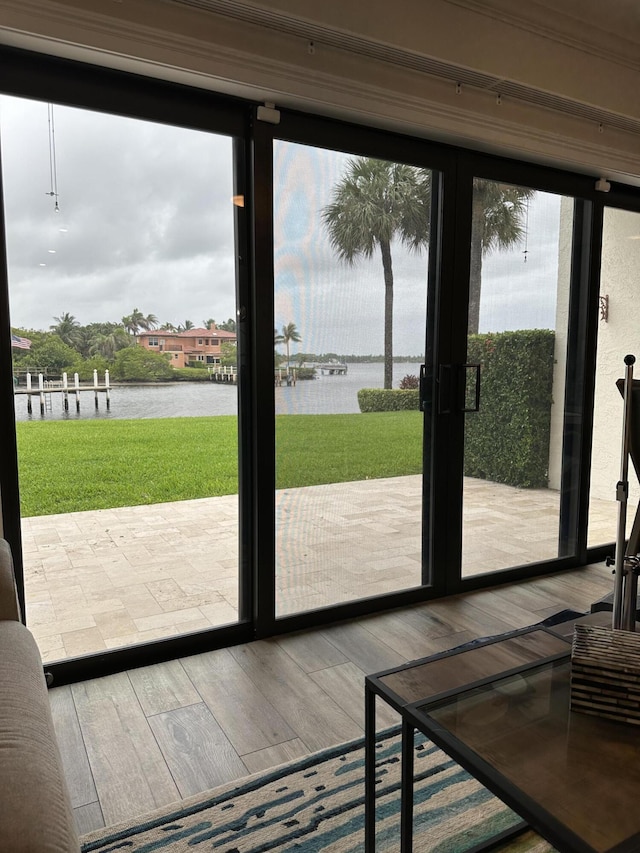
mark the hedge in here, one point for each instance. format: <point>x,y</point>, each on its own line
<point>387,399</point>
<point>507,441</point>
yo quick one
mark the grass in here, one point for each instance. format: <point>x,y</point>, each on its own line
<point>70,466</point>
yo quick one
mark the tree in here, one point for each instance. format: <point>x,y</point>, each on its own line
<point>375,202</point>
<point>108,343</point>
<point>228,354</point>
<point>277,340</point>
<point>497,222</point>
<point>54,355</point>
<point>140,364</point>
<point>289,334</point>
<point>137,320</point>
<point>67,329</point>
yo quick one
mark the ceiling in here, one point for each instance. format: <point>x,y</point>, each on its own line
<point>617,17</point>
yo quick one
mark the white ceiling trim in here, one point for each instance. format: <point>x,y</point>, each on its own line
<point>550,23</point>
<point>433,113</point>
<point>372,49</point>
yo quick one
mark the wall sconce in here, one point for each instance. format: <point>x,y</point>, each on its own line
<point>604,307</point>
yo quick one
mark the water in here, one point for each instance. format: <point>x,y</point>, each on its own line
<point>323,395</point>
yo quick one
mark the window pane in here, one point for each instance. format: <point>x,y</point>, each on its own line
<point>350,284</point>
<point>518,322</point>
<point>617,336</point>
<point>121,258</point>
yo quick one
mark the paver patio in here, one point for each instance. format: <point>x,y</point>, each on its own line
<point>109,578</point>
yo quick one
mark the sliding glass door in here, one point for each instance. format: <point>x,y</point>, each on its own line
<point>321,369</point>
<point>351,274</point>
<point>617,337</point>
<point>122,290</point>
<point>517,345</point>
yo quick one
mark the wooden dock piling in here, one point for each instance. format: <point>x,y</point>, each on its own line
<point>46,388</point>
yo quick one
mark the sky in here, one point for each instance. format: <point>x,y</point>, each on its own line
<point>146,221</point>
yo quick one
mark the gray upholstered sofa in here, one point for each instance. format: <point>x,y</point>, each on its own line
<point>35,810</point>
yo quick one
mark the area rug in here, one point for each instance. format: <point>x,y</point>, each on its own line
<point>316,804</point>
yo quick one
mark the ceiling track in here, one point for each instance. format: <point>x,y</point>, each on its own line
<point>371,49</point>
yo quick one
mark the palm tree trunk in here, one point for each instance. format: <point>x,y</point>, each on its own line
<point>475,271</point>
<point>385,248</point>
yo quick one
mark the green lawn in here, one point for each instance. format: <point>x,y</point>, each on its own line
<point>67,466</point>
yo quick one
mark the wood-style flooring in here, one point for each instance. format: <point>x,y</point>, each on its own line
<point>138,740</point>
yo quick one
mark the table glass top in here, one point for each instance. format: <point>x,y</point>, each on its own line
<point>457,669</point>
<point>581,770</point>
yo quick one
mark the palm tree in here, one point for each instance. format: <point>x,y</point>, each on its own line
<point>67,329</point>
<point>289,333</point>
<point>150,322</point>
<point>497,222</point>
<point>137,320</point>
<point>375,202</point>
<point>108,343</point>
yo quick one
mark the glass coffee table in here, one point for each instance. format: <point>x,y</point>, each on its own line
<point>501,710</point>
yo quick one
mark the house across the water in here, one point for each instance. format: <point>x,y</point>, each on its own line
<point>190,347</point>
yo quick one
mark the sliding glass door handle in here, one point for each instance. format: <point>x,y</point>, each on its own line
<point>422,388</point>
<point>470,382</point>
<point>444,388</point>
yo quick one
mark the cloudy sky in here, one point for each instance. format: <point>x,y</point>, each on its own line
<point>146,222</point>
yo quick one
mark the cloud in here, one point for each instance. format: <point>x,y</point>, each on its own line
<point>146,222</point>
<point>145,218</point>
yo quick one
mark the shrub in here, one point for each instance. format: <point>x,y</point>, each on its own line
<point>409,381</point>
<point>190,374</point>
<point>306,372</point>
<point>507,441</point>
<point>387,400</point>
<point>140,364</point>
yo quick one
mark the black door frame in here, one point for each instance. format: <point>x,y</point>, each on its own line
<point>77,84</point>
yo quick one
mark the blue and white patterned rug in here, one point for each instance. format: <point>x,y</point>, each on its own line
<point>317,804</point>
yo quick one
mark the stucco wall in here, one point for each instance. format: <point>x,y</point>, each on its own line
<point>560,355</point>
<point>619,335</point>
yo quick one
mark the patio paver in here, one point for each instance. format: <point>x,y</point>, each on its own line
<point>109,578</point>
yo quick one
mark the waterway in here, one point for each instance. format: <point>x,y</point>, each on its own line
<point>323,395</point>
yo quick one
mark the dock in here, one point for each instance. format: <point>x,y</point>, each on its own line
<point>328,368</point>
<point>46,388</point>
<point>285,376</point>
<point>223,373</point>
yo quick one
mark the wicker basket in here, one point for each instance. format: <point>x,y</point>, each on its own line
<point>605,673</point>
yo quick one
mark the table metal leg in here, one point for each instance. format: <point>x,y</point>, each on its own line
<point>406,790</point>
<point>369,770</point>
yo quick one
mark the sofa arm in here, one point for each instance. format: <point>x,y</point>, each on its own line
<point>9,606</point>
<point>35,808</point>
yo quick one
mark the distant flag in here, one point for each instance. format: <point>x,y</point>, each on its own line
<point>20,343</point>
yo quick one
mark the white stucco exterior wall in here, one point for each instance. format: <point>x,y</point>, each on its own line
<point>619,335</point>
<point>560,353</point>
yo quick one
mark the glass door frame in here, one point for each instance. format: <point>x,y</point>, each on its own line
<point>332,134</point>
<point>75,84</point>
<point>623,198</point>
<point>32,75</point>
<point>583,311</point>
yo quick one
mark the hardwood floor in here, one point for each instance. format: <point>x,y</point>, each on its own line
<point>137,740</point>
